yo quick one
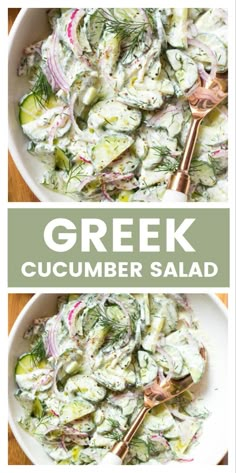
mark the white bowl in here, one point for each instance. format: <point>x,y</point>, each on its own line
<point>212,316</point>
<point>30,26</point>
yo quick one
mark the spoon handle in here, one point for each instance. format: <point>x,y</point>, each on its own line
<point>190,144</point>
<point>172,195</point>
<point>121,448</point>
<point>180,181</point>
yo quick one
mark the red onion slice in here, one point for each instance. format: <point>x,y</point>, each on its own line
<point>160,439</point>
<point>115,176</point>
<point>203,74</point>
<point>86,181</point>
<point>54,65</point>
<point>78,307</point>
<point>199,44</point>
<point>72,26</point>
<point>105,193</point>
<point>59,122</point>
<point>52,347</point>
<point>85,160</point>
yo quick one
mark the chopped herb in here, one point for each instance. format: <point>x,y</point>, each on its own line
<point>130,32</point>
<point>41,90</point>
<point>168,166</point>
<point>162,151</point>
<point>75,173</point>
<point>38,351</point>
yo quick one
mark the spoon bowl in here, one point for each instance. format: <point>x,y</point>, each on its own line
<point>207,95</point>
<point>159,391</point>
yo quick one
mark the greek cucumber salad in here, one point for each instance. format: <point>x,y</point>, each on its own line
<point>107,108</point>
<point>81,382</point>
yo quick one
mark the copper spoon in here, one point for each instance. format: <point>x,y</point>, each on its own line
<point>202,101</point>
<point>154,394</point>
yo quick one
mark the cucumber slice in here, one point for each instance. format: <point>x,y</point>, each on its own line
<point>176,358</point>
<point>215,45</point>
<point>86,387</point>
<point>159,420</point>
<point>75,410</point>
<point>85,424</point>
<point>196,408</point>
<point>188,428</point>
<point>177,30</point>
<point>61,160</point>
<point>94,28</point>
<point>143,99</point>
<point>37,408</point>
<point>114,115</point>
<point>202,172</point>
<point>152,333</point>
<point>148,367</point>
<point>109,42</point>
<point>171,121</point>
<point>101,441</point>
<point>108,149</point>
<point>27,363</point>
<point>109,379</point>
<point>194,361</point>
<point>213,21</point>
<point>186,71</point>
<point>139,449</point>
<point>127,14</point>
<point>30,109</point>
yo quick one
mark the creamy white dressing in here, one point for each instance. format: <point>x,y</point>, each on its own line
<point>99,351</point>
<point>109,88</point>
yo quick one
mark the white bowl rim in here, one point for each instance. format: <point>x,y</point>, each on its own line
<point>17,324</point>
<point>34,187</point>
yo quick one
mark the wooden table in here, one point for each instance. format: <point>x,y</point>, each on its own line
<point>18,191</point>
<point>16,302</point>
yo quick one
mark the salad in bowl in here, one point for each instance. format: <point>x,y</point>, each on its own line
<point>106,109</point>
<point>81,381</point>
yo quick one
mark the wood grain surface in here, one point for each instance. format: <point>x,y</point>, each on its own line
<point>16,302</point>
<point>18,191</point>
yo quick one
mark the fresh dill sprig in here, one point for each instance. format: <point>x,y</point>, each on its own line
<point>114,423</point>
<point>43,421</point>
<point>115,434</point>
<point>162,151</point>
<point>109,323</point>
<point>116,337</point>
<point>41,89</point>
<point>130,32</point>
<point>38,351</point>
<point>116,330</point>
<point>168,166</point>
<point>75,174</point>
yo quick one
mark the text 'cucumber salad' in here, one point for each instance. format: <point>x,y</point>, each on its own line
<point>81,383</point>
<point>107,108</point>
